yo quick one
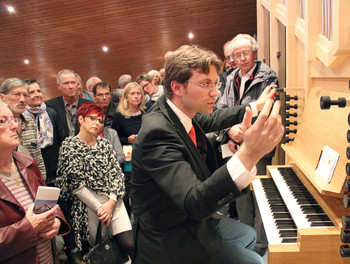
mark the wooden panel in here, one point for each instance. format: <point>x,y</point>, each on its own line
<point>55,35</point>
<point>317,129</point>
<point>314,246</point>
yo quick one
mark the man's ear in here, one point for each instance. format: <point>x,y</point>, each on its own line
<point>255,54</point>
<point>176,87</point>
<point>1,97</point>
<point>58,86</point>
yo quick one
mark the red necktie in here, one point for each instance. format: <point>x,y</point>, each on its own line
<point>192,134</point>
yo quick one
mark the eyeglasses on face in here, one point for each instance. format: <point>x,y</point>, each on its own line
<point>5,122</point>
<point>18,96</point>
<point>245,54</point>
<point>95,118</point>
<point>103,94</point>
<point>146,85</point>
<point>208,86</point>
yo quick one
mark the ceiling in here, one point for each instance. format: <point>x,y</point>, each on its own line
<point>59,34</point>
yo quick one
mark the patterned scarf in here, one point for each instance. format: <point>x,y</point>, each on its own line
<point>43,122</point>
<point>96,168</point>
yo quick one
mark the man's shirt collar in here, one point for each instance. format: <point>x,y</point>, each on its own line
<point>248,74</point>
<point>184,119</point>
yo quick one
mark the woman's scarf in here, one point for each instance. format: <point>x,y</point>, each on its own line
<point>43,122</point>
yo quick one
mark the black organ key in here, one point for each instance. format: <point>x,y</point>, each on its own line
<point>289,240</point>
<point>318,217</point>
<point>288,233</point>
<point>316,224</point>
<point>282,216</point>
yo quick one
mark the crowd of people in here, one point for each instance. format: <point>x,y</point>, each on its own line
<point>145,159</point>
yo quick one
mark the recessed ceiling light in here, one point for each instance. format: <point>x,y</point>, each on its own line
<point>190,35</point>
<point>105,48</point>
<point>10,9</point>
<point>26,61</point>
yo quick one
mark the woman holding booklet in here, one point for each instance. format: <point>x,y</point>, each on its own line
<point>25,237</point>
<point>89,174</point>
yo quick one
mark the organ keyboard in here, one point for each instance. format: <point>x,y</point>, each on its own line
<point>301,212</point>
<point>278,222</point>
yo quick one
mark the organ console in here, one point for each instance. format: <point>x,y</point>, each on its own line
<point>302,213</point>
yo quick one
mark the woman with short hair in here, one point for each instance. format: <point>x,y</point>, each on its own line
<point>89,174</point>
<point>25,237</point>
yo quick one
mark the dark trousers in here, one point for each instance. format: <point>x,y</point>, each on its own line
<point>248,211</point>
<point>69,238</point>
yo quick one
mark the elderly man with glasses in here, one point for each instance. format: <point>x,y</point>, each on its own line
<point>14,93</point>
<point>245,85</point>
<point>152,91</point>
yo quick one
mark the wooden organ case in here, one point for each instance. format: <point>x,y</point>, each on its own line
<point>316,128</point>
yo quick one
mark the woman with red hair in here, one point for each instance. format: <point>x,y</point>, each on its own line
<point>89,174</point>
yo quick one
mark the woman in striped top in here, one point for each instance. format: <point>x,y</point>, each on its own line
<point>25,237</point>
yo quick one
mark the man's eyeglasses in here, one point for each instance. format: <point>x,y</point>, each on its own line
<point>103,94</point>
<point>146,85</point>
<point>208,86</point>
<point>245,54</point>
<point>5,122</point>
<point>95,118</point>
<point>18,96</point>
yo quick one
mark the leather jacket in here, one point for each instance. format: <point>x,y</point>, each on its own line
<point>17,237</point>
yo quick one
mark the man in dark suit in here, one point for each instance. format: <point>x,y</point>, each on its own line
<point>68,103</point>
<point>177,187</point>
<point>102,94</point>
<point>66,107</point>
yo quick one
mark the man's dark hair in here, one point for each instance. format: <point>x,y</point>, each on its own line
<point>145,77</point>
<point>100,85</point>
<point>30,81</point>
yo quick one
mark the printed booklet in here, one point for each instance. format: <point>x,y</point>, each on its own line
<point>45,199</point>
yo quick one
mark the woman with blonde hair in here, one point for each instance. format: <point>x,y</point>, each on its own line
<point>127,120</point>
<point>127,123</point>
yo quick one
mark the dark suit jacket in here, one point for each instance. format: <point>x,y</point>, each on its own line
<point>57,104</point>
<point>50,153</point>
<point>174,190</point>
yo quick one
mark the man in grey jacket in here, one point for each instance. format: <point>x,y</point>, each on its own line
<point>244,85</point>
